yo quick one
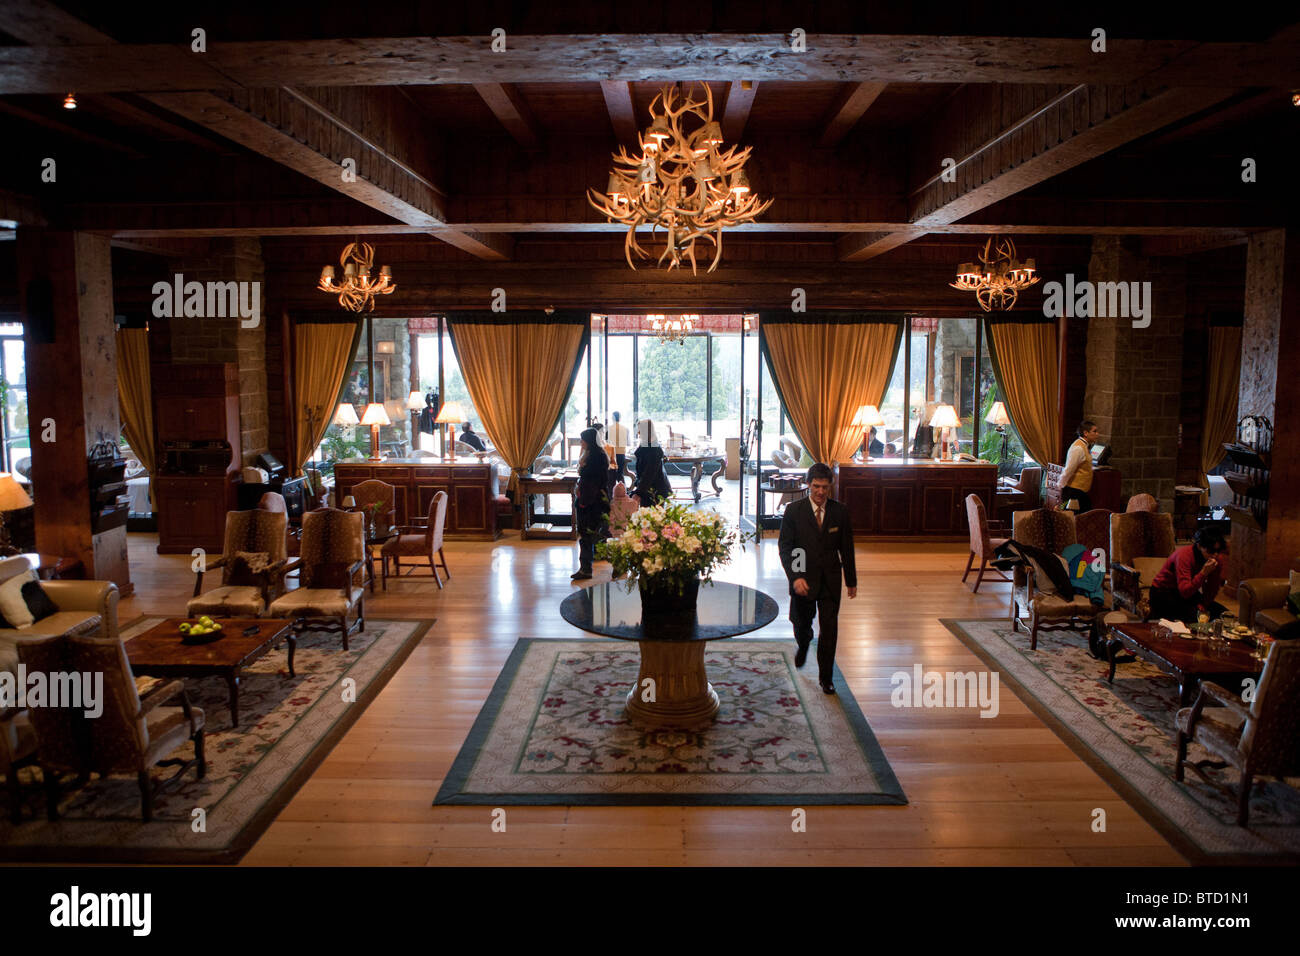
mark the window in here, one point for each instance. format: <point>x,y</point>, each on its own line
<point>13,391</point>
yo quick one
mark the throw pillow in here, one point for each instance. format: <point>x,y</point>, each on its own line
<point>38,602</point>
<point>12,605</point>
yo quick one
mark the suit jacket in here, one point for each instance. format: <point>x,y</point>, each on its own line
<point>827,551</point>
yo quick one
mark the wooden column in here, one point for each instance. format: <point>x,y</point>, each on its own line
<point>66,292</point>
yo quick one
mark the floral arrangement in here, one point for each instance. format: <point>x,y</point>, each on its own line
<point>670,542</point>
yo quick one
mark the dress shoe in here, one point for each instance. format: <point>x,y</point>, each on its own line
<point>800,656</point>
<point>828,688</point>
<point>580,575</point>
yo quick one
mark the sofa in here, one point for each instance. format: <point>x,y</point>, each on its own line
<point>84,606</point>
<point>1263,606</point>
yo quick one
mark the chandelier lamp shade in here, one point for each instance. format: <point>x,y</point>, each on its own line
<point>358,287</point>
<point>681,181</point>
<point>673,328</point>
<point>998,278</point>
<point>866,418</point>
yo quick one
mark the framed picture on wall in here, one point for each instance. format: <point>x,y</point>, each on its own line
<point>357,390</point>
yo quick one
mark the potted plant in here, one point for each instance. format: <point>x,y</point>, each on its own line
<point>667,550</point>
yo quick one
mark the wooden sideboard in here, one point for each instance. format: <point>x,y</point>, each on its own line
<point>1104,493</point>
<point>470,487</point>
<point>909,497</point>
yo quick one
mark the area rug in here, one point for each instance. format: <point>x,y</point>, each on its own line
<point>1125,731</point>
<point>287,727</point>
<point>553,731</point>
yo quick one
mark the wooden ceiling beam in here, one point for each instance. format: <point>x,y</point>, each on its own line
<point>508,105</point>
<point>853,101</point>
<point>622,113</point>
<point>740,100</point>
<point>388,61</point>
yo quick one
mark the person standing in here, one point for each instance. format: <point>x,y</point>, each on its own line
<point>1076,477</point>
<point>651,484</point>
<point>592,505</point>
<point>816,546</point>
<point>618,438</point>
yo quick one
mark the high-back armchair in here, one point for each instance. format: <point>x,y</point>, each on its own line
<point>1092,530</point>
<point>1142,502</point>
<point>1140,543</point>
<point>982,544</point>
<point>421,540</point>
<point>1259,738</point>
<point>331,567</point>
<point>371,492</point>
<point>1051,531</point>
<point>252,566</point>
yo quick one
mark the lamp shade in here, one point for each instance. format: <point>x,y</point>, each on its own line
<point>868,415</point>
<point>12,496</point>
<point>415,401</point>
<point>349,502</point>
<point>998,415</point>
<point>375,415</point>
<point>945,416</point>
<point>346,415</point>
<point>452,413</point>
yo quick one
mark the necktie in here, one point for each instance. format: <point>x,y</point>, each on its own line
<point>819,517</point>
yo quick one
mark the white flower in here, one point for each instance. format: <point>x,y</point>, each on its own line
<point>691,544</point>
<point>637,546</point>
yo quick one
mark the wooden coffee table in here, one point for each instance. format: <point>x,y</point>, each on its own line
<point>158,652</point>
<point>1187,661</point>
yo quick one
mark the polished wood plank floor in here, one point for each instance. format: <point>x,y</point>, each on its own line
<point>999,792</point>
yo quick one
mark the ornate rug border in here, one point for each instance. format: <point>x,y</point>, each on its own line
<point>449,793</point>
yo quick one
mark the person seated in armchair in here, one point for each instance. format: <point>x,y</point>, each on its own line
<point>1190,580</point>
<point>471,439</point>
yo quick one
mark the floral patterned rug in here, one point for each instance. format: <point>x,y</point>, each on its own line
<point>553,731</point>
<point>287,727</point>
<point>1126,732</point>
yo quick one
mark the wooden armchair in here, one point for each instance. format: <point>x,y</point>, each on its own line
<point>1140,543</point>
<point>1052,531</point>
<point>252,566</point>
<point>981,543</point>
<point>420,541</point>
<point>332,573</point>
<point>375,492</point>
<point>1259,739</point>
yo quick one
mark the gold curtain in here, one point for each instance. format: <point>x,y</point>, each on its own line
<point>519,375</point>
<point>322,356</point>
<point>1223,379</point>
<point>135,393</point>
<point>1025,356</point>
<point>824,371</point>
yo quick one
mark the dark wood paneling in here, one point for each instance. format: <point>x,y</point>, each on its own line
<point>920,499</point>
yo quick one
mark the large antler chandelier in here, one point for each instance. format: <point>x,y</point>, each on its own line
<point>1000,277</point>
<point>682,181</point>
<point>358,288</point>
<point>672,328</point>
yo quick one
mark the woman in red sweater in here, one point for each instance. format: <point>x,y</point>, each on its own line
<point>1190,580</point>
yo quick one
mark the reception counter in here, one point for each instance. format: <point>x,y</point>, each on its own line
<point>470,487</point>
<point>913,497</point>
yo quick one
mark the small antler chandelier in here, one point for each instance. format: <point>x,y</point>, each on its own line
<point>682,181</point>
<point>1000,277</point>
<point>673,329</point>
<point>358,289</point>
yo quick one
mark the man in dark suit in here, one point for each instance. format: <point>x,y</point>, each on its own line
<point>816,543</point>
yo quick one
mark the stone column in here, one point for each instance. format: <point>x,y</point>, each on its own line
<point>66,290</point>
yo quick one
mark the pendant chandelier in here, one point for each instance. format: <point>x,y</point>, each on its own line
<point>681,181</point>
<point>358,289</point>
<point>1000,276</point>
<point>673,329</point>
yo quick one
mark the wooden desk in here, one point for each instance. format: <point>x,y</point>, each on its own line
<point>530,485</point>
<point>696,464</point>
<point>913,497</point>
<point>471,508</point>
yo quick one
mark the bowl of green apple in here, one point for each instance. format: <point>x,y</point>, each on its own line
<point>203,631</point>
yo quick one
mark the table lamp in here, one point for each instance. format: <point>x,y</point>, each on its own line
<point>349,503</point>
<point>346,415</point>
<point>374,416</point>
<point>450,413</point>
<point>945,417</point>
<point>866,417</point>
<point>12,497</point>
<point>998,416</point>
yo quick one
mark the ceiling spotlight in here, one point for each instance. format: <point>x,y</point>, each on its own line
<point>70,101</point>
<point>1295,98</point>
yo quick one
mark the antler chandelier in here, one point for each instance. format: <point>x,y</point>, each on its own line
<point>682,182</point>
<point>672,329</point>
<point>1000,278</point>
<point>358,290</point>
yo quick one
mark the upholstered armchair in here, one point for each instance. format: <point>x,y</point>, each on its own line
<point>1140,543</point>
<point>982,545</point>
<point>1263,606</point>
<point>84,607</point>
<point>252,566</point>
<point>332,574</point>
<point>372,492</point>
<point>1030,484</point>
<point>1051,531</point>
<point>133,734</point>
<point>1092,530</point>
<point>1256,739</point>
<point>420,541</point>
<point>1142,502</point>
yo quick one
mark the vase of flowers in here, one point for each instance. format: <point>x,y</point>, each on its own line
<point>668,550</point>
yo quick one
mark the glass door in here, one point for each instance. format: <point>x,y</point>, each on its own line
<point>751,431</point>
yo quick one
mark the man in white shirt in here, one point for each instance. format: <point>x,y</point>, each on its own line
<point>618,436</point>
<point>1076,476</point>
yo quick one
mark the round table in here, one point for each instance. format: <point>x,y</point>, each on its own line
<point>672,646</point>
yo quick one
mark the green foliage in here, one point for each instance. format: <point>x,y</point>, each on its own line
<point>673,379</point>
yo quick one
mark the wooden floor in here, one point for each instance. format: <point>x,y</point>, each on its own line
<point>995,792</point>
